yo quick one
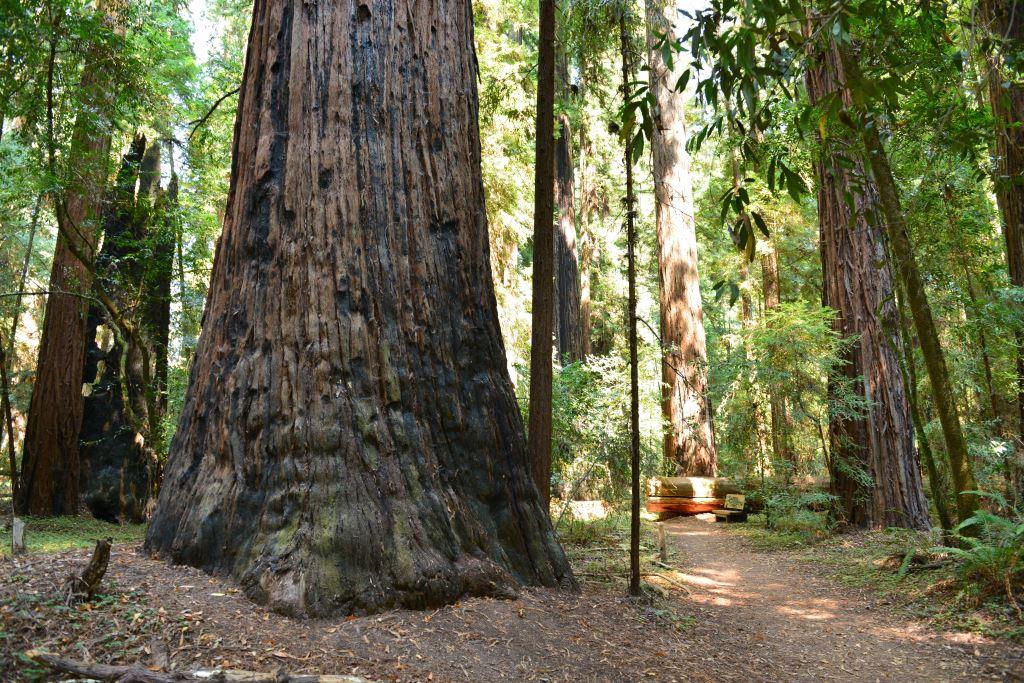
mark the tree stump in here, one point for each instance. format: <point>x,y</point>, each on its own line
<point>84,586</point>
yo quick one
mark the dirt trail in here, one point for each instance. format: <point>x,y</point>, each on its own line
<point>749,616</point>
<point>762,616</point>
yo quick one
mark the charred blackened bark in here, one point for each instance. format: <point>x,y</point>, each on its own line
<point>117,459</point>
<point>873,463</point>
<point>688,441</point>
<point>350,440</point>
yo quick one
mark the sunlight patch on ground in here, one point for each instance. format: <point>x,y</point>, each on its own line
<point>809,611</point>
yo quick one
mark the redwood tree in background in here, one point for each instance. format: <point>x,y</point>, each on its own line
<point>688,438</point>
<point>350,439</point>
<point>1004,29</point>
<point>873,465</point>
<point>50,466</point>
<point>542,313</point>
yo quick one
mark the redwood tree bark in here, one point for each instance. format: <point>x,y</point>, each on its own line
<point>568,329</point>
<point>1004,26</point>
<point>350,439</point>
<point>858,284</point>
<point>542,313</point>
<point>688,441</point>
<point>50,466</point>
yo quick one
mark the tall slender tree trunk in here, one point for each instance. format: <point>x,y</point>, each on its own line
<point>782,445</point>
<point>585,216</point>
<point>991,409</point>
<point>350,439</point>
<point>634,374</point>
<point>908,367</point>
<point>568,338</point>
<point>1004,26</point>
<point>688,440</point>
<point>873,464</point>
<point>568,330</point>
<point>542,313</point>
<point>8,424</point>
<point>747,322</point>
<point>50,466</point>
<point>156,314</point>
<point>11,353</point>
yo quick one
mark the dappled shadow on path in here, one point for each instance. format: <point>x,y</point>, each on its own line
<point>784,620</point>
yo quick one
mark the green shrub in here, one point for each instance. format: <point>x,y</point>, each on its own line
<point>991,559</point>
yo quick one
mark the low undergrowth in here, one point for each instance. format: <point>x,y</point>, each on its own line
<point>54,534</point>
<point>598,550</point>
<point>798,529</point>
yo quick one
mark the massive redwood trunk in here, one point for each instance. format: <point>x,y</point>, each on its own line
<point>688,440</point>
<point>568,329</point>
<point>50,466</point>
<point>1004,27</point>
<point>350,439</point>
<point>873,464</point>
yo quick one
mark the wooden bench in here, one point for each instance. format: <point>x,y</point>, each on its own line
<point>735,509</point>
<point>670,496</point>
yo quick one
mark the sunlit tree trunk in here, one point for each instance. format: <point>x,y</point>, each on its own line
<point>568,337</point>
<point>568,331</point>
<point>873,463</point>
<point>585,216</point>
<point>688,440</point>
<point>350,439</point>
<point>782,445</point>
<point>50,466</point>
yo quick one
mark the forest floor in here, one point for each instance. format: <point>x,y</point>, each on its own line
<point>723,608</point>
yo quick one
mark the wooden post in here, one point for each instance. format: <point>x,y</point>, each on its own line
<point>17,537</point>
<point>662,548</point>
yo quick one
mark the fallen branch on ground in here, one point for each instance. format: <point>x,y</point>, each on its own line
<point>677,584</point>
<point>137,673</point>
